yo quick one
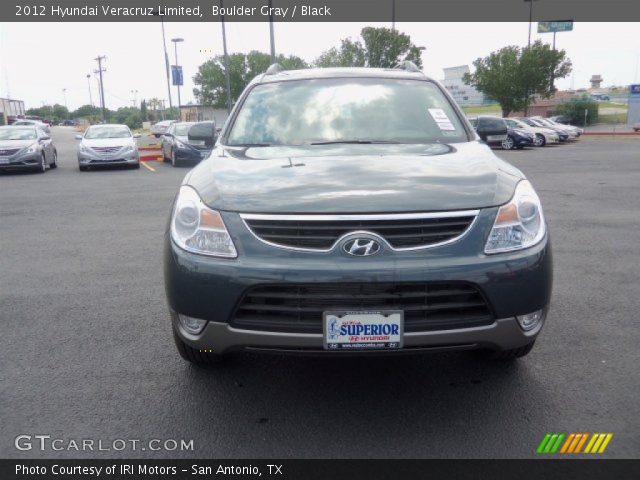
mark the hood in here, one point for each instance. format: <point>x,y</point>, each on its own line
<point>107,142</point>
<point>354,178</point>
<point>12,144</point>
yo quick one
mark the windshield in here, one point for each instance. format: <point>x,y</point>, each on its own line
<point>515,123</point>
<point>108,132</point>
<point>182,129</point>
<point>17,134</point>
<point>358,110</point>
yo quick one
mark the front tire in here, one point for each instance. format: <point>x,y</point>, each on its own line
<point>174,160</point>
<point>43,164</point>
<point>83,168</point>
<point>540,141</point>
<point>508,143</point>
<point>194,356</point>
<point>54,164</point>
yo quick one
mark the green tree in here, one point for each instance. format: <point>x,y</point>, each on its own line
<point>575,108</point>
<point>515,76</point>
<point>210,79</point>
<point>378,47</point>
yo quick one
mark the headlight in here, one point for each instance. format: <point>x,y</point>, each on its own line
<point>83,148</point>
<point>198,229</point>
<point>180,144</point>
<point>31,148</point>
<point>129,148</point>
<point>519,224</point>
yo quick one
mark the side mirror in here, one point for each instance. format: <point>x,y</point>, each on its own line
<point>78,137</point>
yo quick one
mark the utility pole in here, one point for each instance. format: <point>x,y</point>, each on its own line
<point>134,99</point>
<point>100,59</point>
<point>175,44</point>
<point>64,93</point>
<point>89,84</point>
<point>226,59</point>
<point>273,45</point>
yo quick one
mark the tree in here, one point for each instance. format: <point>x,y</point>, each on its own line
<point>379,47</point>
<point>514,77</point>
<point>56,112</point>
<point>210,79</point>
<point>574,109</point>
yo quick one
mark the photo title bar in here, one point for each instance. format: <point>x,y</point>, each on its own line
<point>317,10</point>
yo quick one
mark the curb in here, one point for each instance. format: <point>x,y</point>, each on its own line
<point>612,133</point>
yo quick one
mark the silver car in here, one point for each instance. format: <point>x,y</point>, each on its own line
<point>32,123</point>
<point>108,144</point>
<point>26,148</point>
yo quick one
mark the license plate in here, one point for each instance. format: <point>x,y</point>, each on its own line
<point>496,138</point>
<point>363,330</point>
<point>204,154</point>
<point>4,161</point>
<point>196,142</point>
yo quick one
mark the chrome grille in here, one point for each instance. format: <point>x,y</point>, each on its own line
<point>8,151</point>
<point>298,308</point>
<point>106,150</point>
<point>321,232</point>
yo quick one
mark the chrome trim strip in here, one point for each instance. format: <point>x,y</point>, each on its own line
<point>391,216</point>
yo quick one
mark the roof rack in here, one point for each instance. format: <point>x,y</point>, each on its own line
<point>273,69</point>
<point>407,65</point>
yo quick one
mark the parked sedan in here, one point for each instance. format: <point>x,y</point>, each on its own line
<point>26,148</point>
<point>579,131</point>
<point>107,144</point>
<point>160,128</point>
<point>636,127</point>
<point>541,136</point>
<point>574,132</point>
<point>562,134</point>
<point>32,123</point>
<point>175,144</point>
<point>517,139</point>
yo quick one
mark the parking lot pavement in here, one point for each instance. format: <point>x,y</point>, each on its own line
<point>86,349</point>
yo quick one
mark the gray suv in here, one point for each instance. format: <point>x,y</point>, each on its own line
<point>352,211</point>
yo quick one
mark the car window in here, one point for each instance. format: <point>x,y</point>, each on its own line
<point>181,129</point>
<point>17,134</point>
<point>346,109</point>
<point>492,123</point>
<point>111,131</point>
<point>204,129</point>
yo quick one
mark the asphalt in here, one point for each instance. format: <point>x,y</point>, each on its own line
<point>86,350</point>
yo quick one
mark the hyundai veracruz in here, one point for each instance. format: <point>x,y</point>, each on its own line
<point>351,211</point>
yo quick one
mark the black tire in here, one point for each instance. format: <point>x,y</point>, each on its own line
<point>514,353</point>
<point>540,141</point>
<point>508,143</point>
<point>54,164</point>
<point>136,166</point>
<point>194,356</point>
<point>174,160</point>
<point>83,168</point>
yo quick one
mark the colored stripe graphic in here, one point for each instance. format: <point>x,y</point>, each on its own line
<point>572,443</point>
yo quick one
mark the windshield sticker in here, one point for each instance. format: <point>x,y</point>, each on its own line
<point>441,119</point>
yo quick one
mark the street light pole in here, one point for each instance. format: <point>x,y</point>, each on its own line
<point>273,45</point>
<point>89,84</point>
<point>166,62</point>
<point>175,44</point>
<point>226,59</point>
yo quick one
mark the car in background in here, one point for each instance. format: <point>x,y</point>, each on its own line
<point>541,136</point>
<point>23,122</point>
<point>579,131</point>
<point>107,144</point>
<point>518,139</point>
<point>26,147</point>
<point>562,134</point>
<point>563,119</point>
<point>160,128</point>
<point>492,130</point>
<point>574,132</point>
<point>636,127</point>
<point>175,144</point>
<point>202,136</point>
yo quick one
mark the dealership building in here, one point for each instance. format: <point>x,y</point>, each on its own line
<point>462,93</point>
<point>10,109</point>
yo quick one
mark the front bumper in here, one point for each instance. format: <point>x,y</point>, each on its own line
<point>209,288</point>
<point>30,161</point>
<point>89,159</point>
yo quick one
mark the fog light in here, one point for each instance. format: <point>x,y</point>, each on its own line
<point>192,325</point>
<point>530,320</point>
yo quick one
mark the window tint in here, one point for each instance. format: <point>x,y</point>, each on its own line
<point>111,131</point>
<point>346,109</point>
<point>492,123</point>
<point>202,130</point>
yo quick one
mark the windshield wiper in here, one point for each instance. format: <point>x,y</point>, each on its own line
<point>354,141</point>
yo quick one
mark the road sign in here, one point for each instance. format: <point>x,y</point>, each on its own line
<point>176,75</point>
<point>556,26</point>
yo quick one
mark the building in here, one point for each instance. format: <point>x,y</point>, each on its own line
<point>10,110</point>
<point>596,81</point>
<point>462,93</point>
<point>546,107</point>
<point>201,113</point>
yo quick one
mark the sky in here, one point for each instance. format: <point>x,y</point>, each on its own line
<point>39,60</point>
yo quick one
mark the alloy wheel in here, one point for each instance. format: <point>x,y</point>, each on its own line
<point>507,143</point>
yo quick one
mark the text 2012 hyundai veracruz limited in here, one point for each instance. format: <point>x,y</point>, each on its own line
<point>354,210</point>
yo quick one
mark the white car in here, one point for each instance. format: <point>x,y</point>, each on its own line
<point>160,128</point>
<point>636,127</point>
<point>569,129</point>
<point>109,144</point>
<point>33,123</point>
<point>543,136</point>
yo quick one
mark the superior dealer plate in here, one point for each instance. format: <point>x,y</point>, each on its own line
<point>363,330</point>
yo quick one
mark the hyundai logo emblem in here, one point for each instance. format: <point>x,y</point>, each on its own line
<point>361,247</point>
